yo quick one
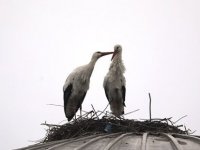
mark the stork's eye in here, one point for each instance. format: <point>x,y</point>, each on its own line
<point>98,52</point>
<point>117,48</point>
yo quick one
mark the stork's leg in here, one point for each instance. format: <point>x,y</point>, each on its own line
<point>81,111</point>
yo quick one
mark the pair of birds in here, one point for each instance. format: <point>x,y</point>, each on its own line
<point>77,84</point>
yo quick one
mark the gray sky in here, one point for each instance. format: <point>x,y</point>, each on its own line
<point>42,41</point>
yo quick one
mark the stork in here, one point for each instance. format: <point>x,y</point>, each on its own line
<point>115,83</point>
<point>77,84</point>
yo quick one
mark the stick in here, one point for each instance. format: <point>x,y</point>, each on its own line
<point>131,112</point>
<point>180,119</point>
<point>104,110</point>
<point>51,125</point>
<point>95,112</point>
<point>150,106</point>
<point>56,105</point>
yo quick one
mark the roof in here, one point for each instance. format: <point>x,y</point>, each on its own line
<point>124,141</point>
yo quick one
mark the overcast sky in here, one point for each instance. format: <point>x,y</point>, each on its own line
<point>42,41</point>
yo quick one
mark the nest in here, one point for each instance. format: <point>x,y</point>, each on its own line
<point>84,126</point>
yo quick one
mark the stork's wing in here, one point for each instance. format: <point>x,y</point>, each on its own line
<point>67,93</point>
<point>80,100</point>
<point>106,92</point>
<point>124,94</point>
<point>105,85</point>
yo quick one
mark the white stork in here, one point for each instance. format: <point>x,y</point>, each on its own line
<point>77,84</point>
<point>115,83</point>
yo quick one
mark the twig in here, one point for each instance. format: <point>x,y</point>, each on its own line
<point>186,131</point>
<point>82,116</point>
<point>150,106</point>
<point>169,119</point>
<point>192,132</point>
<point>51,125</point>
<point>56,105</point>
<point>95,112</point>
<point>62,121</point>
<point>88,113</point>
<point>179,126</point>
<point>160,120</point>
<point>104,109</point>
<point>131,112</point>
<point>180,119</point>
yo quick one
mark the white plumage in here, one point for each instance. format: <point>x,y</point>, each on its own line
<point>115,83</point>
<point>77,84</point>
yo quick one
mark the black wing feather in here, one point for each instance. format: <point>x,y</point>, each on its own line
<point>124,94</point>
<point>106,92</point>
<point>67,94</point>
<point>78,105</point>
<point>81,101</point>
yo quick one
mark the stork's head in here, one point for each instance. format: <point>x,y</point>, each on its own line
<point>117,50</point>
<point>98,54</point>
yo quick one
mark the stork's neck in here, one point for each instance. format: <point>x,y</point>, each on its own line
<point>117,65</point>
<point>91,65</point>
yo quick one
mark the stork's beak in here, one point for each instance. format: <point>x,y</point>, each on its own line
<point>114,53</point>
<point>105,53</point>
